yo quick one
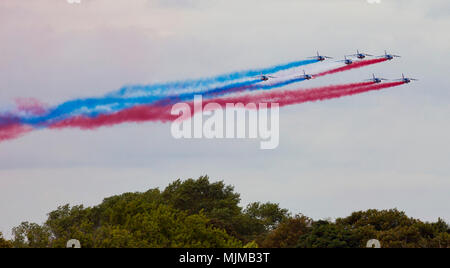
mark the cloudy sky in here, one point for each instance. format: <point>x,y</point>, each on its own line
<point>388,149</point>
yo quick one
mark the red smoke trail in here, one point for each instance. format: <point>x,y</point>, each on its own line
<point>373,88</point>
<point>11,128</point>
<point>289,97</point>
<point>330,93</point>
<point>31,106</point>
<point>163,113</point>
<point>13,131</point>
<point>355,65</point>
<point>326,94</point>
<point>135,114</point>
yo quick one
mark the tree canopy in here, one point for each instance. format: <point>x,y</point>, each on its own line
<point>391,227</point>
<point>5,243</point>
<point>203,214</point>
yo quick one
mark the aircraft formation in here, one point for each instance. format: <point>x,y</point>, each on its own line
<point>349,61</point>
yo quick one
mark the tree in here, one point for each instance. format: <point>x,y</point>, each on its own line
<point>5,243</point>
<point>442,240</point>
<point>203,214</point>
<point>129,220</point>
<point>258,220</point>
<point>216,200</point>
<point>381,220</point>
<point>288,233</point>
<point>165,227</point>
<point>325,234</point>
<point>67,223</point>
<point>268,214</point>
<point>391,227</point>
<point>220,204</point>
<point>31,235</point>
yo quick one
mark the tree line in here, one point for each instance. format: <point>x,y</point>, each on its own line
<point>203,214</point>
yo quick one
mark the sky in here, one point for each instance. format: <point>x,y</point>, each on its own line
<point>387,149</point>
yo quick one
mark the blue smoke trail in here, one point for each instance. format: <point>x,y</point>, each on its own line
<point>92,107</point>
<point>284,83</point>
<point>204,82</point>
<point>218,93</point>
<point>70,108</point>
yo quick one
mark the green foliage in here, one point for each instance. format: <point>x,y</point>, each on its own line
<point>380,220</point>
<point>269,215</point>
<point>327,235</point>
<point>151,219</point>
<point>391,227</point>
<point>135,222</point>
<point>67,223</point>
<point>252,244</point>
<point>5,243</point>
<point>31,235</point>
<point>441,240</point>
<point>164,227</point>
<point>220,204</point>
<point>288,233</point>
<point>201,214</point>
<point>216,200</point>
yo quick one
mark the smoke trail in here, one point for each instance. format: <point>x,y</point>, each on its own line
<point>35,115</point>
<point>30,106</point>
<point>229,90</point>
<point>158,111</point>
<point>136,114</point>
<point>206,82</point>
<point>285,98</point>
<point>355,65</point>
<point>92,107</point>
<point>322,95</point>
<point>289,97</point>
<point>95,106</point>
<point>373,88</point>
<point>11,128</point>
<point>163,113</point>
<point>13,131</point>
